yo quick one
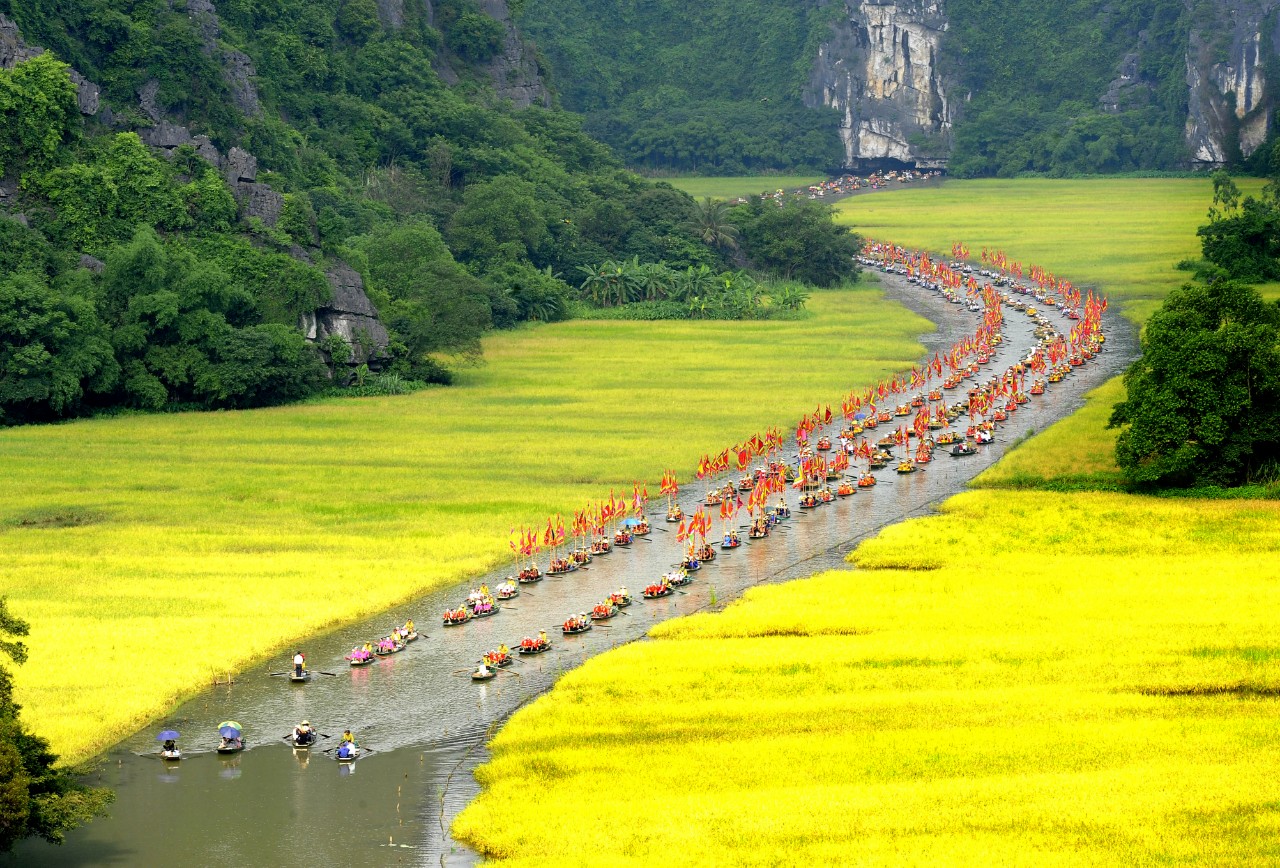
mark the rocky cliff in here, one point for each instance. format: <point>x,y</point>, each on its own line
<point>879,69</point>
<point>1230,101</point>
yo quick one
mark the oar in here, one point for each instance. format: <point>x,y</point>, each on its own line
<point>278,674</point>
<point>330,674</point>
<point>509,672</point>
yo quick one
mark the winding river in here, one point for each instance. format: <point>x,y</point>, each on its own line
<point>427,722</point>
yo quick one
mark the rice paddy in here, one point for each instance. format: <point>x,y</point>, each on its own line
<point>1024,679</point>
<point>153,552</point>
<point>1124,235</point>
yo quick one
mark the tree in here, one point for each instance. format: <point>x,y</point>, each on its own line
<point>1242,236</point>
<point>37,799</point>
<point>53,351</point>
<point>797,240</point>
<point>1203,405</point>
<point>710,222</point>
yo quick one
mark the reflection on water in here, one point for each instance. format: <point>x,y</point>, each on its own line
<point>419,712</point>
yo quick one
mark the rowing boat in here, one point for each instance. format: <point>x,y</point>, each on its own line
<point>300,679</point>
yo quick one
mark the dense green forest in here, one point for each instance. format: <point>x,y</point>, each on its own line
<point>715,87</point>
<point>711,87</point>
<point>132,277</point>
<point>1035,72</point>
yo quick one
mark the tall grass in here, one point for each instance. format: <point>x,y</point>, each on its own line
<point>1039,678</point>
<point>150,551</point>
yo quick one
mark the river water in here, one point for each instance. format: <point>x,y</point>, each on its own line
<point>427,723</point>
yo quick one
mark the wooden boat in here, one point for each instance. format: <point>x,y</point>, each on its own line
<point>824,444</point>
<point>387,652</point>
<point>866,480</point>
<point>581,557</point>
<point>808,501</point>
<point>620,600</point>
<point>746,483</point>
<point>713,498</point>
<point>455,621</point>
<point>230,748</point>
<point>354,755</point>
<point>642,529</point>
<point>906,467</point>
<point>560,567</point>
<point>825,495</point>
<point>675,514</point>
<point>622,539</point>
<point>489,613</point>
<point>886,443</point>
<point>535,648</point>
<point>409,637</point>
<point>758,531</point>
<point>576,627</point>
<point>604,612</point>
<point>707,553</point>
<point>654,592</point>
<point>678,580</point>
<point>730,542</point>
<point>872,422</point>
<point>300,679</point>
<point>305,745</point>
<point>484,674</point>
<point>691,564</point>
<point>962,449</point>
<point>361,662</point>
<point>506,592</point>
<point>845,489</point>
<point>529,574</point>
<point>601,547</point>
<point>171,755</point>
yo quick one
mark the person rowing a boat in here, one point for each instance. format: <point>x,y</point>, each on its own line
<point>503,651</point>
<point>299,661</point>
<point>303,734</point>
<point>408,627</point>
<point>348,738</point>
<point>542,639</point>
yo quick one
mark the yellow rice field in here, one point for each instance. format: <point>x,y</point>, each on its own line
<point>1124,235</point>
<point>150,552</point>
<point>1023,679</point>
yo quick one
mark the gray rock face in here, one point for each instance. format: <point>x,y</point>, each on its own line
<point>13,51</point>
<point>880,71</point>
<point>92,263</point>
<point>1229,99</point>
<point>351,316</point>
<point>391,13</point>
<point>514,69</point>
<point>237,68</point>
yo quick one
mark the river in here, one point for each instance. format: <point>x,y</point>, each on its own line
<point>427,722</point>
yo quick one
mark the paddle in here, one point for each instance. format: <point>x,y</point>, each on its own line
<point>330,674</point>
<point>279,674</point>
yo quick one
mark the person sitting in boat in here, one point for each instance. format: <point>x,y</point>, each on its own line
<point>503,650</point>
<point>542,639</point>
<point>234,742</point>
<point>347,750</point>
<point>169,746</point>
<point>299,660</point>
<point>303,734</point>
<point>408,627</point>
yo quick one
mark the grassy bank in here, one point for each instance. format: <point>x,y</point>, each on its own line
<point>176,539</point>
<point>1023,679</point>
<point>699,186</point>
<point>1124,234</point>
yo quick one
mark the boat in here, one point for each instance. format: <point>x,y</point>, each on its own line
<point>560,566</point>
<point>706,553</point>
<point>411,636</point>
<point>845,489</point>
<point>866,480</point>
<point>387,651</point>
<point>507,591</point>
<point>456,617</point>
<point>906,467</point>
<point>677,579</point>
<point>581,557</point>
<point>484,673</point>
<point>713,498</point>
<point>604,611</point>
<point>675,514</point>
<point>300,679</point>
<point>229,748</point>
<point>622,539</point>
<point>601,547</point>
<point>575,625</point>
<point>485,613</point>
<point>641,528</point>
<point>731,540</point>
<point>824,444</point>
<point>534,647</point>
<point>350,758</point>
<point>691,564</point>
<point>746,483</point>
<point>620,600</point>
<point>171,755</point>
<point>961,449</point>
<point>654,592</point>
<point>808,501</point>
<point>302,745</point>
<point>758,530</point>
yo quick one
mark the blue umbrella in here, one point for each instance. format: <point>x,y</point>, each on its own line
<point>229,732</point>
<point>859,416</point>
<point>631,522</point>
<point>167,735</point>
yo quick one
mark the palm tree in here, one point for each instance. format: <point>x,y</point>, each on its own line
<point>710,223</point>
